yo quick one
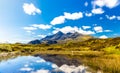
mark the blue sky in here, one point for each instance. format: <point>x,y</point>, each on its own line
<point>25,20</point>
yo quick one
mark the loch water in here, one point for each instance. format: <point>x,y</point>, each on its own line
<point>31,64</point>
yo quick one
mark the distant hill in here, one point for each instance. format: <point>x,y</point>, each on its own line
<point>60,37</point>
<point>35,42</point>
<point>111,45</point>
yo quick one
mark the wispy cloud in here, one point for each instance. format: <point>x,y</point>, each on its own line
<point>42,26</point>
<point>30,9</point>
<point>86,27</point>
<point>41,36</point>
<point>108,31</point>
<point>113,17</point>
<point>30,28</point>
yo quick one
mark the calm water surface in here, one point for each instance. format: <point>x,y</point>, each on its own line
<point>26,64</point>
<point>31,64</point>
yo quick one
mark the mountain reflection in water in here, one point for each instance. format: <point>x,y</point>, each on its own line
<point>31,64</point>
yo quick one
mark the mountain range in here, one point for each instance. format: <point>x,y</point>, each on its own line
<point>61,37</point>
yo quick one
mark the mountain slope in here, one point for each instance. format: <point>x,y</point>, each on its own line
<point>60,37</point>
<point>54,37</point>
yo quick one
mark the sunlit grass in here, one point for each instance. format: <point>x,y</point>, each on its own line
<point>112,50</point>
<point>105,64</point>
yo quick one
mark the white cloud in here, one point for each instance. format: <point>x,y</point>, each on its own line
<point>98,29</point>
<point>103,37</point>
<point>30,9</point>
<point>86,27</point>
<point>41,36</point>
<point>58,20</point>
<point>111,17</point>
<point>41,71</point>
<point>86,4</point>
<point>70,16</point>
<point>111,3</point>
<point>73,16</point>
<point>88,14</point>
<point>26,69</point>
<point>68,29</point>
<point>107,3</point>
<point>97,11</point>
<point>41,26</point>
<point>99,3</point>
